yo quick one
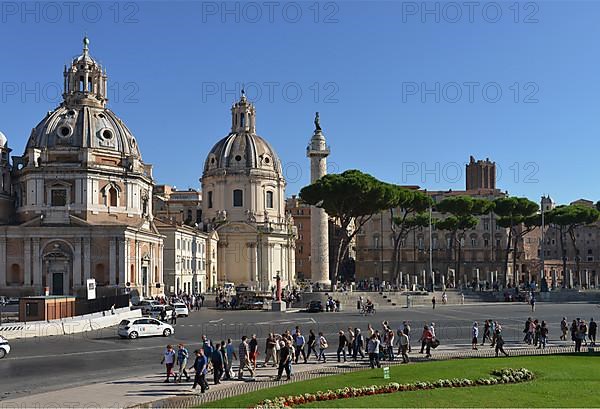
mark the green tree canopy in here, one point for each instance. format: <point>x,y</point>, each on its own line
<point>351,197</point>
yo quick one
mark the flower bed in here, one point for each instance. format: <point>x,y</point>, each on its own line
<point>500,376</point>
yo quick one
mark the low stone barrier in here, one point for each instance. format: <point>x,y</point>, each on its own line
<point>66,326</point>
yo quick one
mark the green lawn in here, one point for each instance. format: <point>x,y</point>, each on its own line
<point>561,381</point>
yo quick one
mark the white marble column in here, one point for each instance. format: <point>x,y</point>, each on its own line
<point>77,263</point>
<point>27,263</point>
<point>2,261</point>
<point>112,261</point>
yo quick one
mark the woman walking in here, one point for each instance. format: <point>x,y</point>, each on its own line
<point>474,335</point>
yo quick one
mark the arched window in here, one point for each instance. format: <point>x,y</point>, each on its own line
<point>238,198</point>
<point>269,200</point>
<point>113,196</point>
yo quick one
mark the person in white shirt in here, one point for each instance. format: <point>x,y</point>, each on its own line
<point>169,360</point>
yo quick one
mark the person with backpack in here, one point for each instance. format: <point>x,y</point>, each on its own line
<point>426,340</point>
<point>323,345</point>
<point>182,358</point>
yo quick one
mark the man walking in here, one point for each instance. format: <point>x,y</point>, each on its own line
<point>592,328</point>
<point>299,347</point>
<point>404,342</point>
<point>373,351</point>
<point>358,344</point>
<point>343,342</point>
<point>200,366</point>
<point>173,317</point>
<point>433,302</point>
<point>217,363</point>
<point>270,351</point>
<point>285,360</point>
<point>182,358</point>
<point>244,355</point>
<point>564,329</point>
<point>230,353</point>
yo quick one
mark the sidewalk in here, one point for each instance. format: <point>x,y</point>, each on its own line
<point>150,391</point>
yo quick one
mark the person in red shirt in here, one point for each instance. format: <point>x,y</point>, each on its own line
<point>426,339</point>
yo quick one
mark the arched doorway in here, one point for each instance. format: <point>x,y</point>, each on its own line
<point>58,267</point>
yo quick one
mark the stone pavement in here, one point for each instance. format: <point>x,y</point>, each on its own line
<point>150,391</point>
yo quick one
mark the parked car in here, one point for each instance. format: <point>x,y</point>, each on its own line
<point>181,309</point>
<point>4,347</point>
<point>144,327</point>
<point>315,306</point>
<point>145,306</point>
<point>155,311</point>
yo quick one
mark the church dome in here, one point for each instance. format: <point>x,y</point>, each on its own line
<point>83,127</point>
<point>242,149</point>
<point>82,120</point>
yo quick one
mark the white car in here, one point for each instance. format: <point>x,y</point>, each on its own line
<point>156,310</point>
<point>4,347</point>
<point>181,309</point>
<point>144,327</point>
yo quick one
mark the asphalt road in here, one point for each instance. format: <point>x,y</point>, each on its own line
<point>41,364</point>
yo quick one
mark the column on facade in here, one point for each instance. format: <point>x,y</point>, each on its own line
<point>122,264</point>
<point>87,259</point>
<point>252,267</point>
<point>112,261</point>
<point>138,266</point>
<point>77,263</point>
<point>37,263</point>
<point>27,262</point>
<point>2,261</point>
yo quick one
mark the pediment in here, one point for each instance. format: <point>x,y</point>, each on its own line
<point>236,227</point>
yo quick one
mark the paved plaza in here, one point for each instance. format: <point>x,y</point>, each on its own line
<point>96,363</point>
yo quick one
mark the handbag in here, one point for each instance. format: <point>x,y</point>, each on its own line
<point>435,343</point>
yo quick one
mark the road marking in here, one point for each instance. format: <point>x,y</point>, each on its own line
<point>215,321</point>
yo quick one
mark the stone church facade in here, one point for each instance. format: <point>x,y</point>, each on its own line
<point>78,203</point>
<point>243,199</point>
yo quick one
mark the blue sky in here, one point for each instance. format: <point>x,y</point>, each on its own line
<point>406,90</point>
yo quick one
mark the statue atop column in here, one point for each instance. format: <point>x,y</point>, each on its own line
<point>317,122</point>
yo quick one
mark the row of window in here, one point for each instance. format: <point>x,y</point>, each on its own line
<point>189,245</point>
<point>421,242</point>
<point>238,199</point>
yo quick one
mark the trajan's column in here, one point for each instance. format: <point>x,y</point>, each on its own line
<point>318,151</point>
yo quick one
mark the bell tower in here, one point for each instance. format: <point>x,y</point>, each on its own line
<point>85,81</point>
